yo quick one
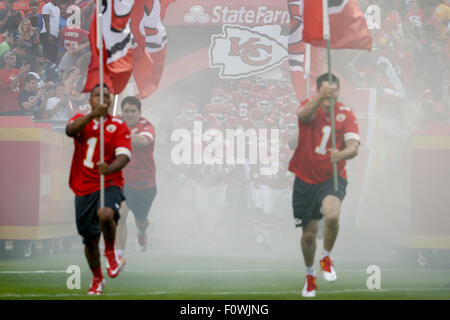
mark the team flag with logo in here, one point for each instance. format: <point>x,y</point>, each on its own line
<point>151,37</point>
<point>347,26</point>
<point>117,47</point>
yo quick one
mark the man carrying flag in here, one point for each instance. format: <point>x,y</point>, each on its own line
<point>313,193</point>
<point>102,142</point>
<point>328,132</point>
<point>93,219</point>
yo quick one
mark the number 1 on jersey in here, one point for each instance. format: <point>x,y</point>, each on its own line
<point>323,144</point>
<point>92,142</point>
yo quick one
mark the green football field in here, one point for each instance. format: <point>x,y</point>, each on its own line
<point>201,277</point>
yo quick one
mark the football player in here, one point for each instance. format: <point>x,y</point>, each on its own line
<point>140,182</point>
<point>85,172</point>
<point>312,163</point>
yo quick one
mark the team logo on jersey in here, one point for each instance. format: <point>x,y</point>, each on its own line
<point>111,128</point>
<point>242,51</point>
<point>340,117</point>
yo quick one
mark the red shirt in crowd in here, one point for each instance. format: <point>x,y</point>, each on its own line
<point>311,161</point>
<point>141,171</point>
<point>73,37</point>
<point>9,96</point>
<point>84,177</point>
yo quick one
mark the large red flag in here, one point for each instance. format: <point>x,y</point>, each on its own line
<point>117,47</point>
<point>348,27</point>
<point>151,36</point>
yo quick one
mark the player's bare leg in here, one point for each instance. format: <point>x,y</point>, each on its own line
<point>330,206</point>
<point>121,234</point>
<point>92,252</point>
<point>142,234</point>
<point>108,226</point>
<point>308,244</point>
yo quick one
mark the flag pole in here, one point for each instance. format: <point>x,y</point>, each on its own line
<point>308,69</point>
<point>116,100</point>
<point>100,62</point>
<point>326,36</point>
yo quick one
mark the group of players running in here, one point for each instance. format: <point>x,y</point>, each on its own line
<point>255,103</point>
<point>129,145</point>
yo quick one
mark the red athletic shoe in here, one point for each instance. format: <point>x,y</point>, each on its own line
<point>112,264</point>
<point>329,274</point>
<point>97,285</point>
<point>309,290</point>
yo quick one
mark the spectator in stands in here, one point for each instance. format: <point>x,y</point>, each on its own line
<point>35,17</point>
<point>59,107</point>
<point>9,83</point>
<point>32,100</point>
<point>49,71</point>
<point>76,44</point>
<point>10,42</point>
<point>71,82</point>
<point>26,30</point>
<point>9,18</point>
<point>50,30</point>
<point>22,56</point>
<point>63,18</point>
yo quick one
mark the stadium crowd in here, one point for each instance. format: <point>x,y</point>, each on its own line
<point>409,63</point>
<point>44,55</point>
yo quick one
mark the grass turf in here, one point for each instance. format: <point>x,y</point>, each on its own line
<point>190,277</point>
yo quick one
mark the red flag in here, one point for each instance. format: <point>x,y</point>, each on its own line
<point>142,60</point>
<point>151,38</point>
<point>348,27</point>
<point>296,50</point>
<point>117,47</point>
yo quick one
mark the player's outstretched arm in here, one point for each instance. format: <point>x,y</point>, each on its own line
<point>118,164</point>
<point>139,141</point>
<point>326,91</point>
<point>76,126</point>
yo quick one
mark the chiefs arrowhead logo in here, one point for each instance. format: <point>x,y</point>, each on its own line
<point>111,128</point>
<point>243,51</point>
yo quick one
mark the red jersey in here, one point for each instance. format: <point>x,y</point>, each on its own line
<point>73,37</point>
<point>9,96</point>
<point>140,173</point>
<point>84,177</point>
<point>311,161</point>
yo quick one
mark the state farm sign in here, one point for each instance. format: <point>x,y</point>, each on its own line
<point>233,12</point>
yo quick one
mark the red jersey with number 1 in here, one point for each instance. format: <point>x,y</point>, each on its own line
<point>140,172</point>
<point>311,161</point>
<point>84,177</point>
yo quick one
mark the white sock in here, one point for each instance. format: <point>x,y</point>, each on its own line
<point>310,270</point>
<point>325,253</point>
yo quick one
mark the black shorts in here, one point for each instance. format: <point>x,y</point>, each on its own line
<point>86,211</point>
<point>140,201</point>
<point>307,198</point>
